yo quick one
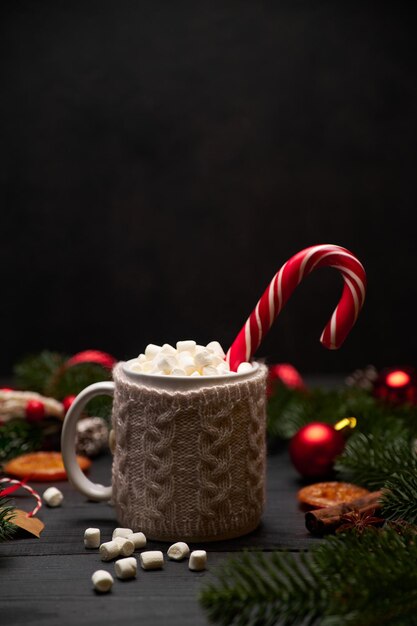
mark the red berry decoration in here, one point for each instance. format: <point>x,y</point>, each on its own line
<point>397,385</point>
<point>314,448</point>
<point>35,411</point>
<point>66,402</point>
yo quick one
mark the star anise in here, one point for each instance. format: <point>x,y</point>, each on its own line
<point>358,521</point>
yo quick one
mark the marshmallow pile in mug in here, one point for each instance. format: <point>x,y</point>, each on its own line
<point>187,359</point>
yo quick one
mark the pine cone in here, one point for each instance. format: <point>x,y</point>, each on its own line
<point>363,378</point>
<point>92,436</point>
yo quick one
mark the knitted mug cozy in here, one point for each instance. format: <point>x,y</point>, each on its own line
<point>190,465</point>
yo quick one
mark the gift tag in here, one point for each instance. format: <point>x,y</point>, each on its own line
<point>32,525</point>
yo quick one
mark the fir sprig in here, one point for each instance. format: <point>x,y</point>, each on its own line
<point>46,374</point>
<point>18,437</point>
<point>349,580</point>
<point>290,409</point>
<point>371,460</point>
<point>36,370</point>
<point>399,501</point>
<point>7,528</point>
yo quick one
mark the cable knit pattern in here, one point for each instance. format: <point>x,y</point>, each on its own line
<point>190,465</point>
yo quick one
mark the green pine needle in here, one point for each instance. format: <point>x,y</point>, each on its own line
<point>371,460</point>
<point>7,528</point>
<point>36,370</point>
<point>43,373</point>
<point>399,501</point>
<point>355,580</point>
<point>18,437</point>
<point>289,410</point>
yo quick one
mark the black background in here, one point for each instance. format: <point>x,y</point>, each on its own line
<point>161,160</point>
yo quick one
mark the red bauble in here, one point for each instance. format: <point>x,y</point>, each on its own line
<point>67,401</point>
<point>92,356</point>
<point>35,411</point>
<point>314,448</point>
<point>286,374</point>
<point>6,389</point>
<point>397,385</point>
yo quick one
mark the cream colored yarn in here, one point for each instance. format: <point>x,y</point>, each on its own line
<point>190,465</point>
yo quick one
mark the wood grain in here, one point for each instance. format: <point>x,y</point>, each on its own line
<point>46,581</point>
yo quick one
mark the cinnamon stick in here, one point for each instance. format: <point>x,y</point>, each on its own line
<point>326,520</point>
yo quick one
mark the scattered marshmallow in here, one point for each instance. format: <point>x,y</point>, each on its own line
<point>198,560</point>
<point>122,532</point>
<point>126,568</point>
<point>52,497</point>
<point>153,559</point>
<point>102,581</point>
<point>127,547</point>
<point>109,550</point>
<point>178,551</point>
<point>138,540</point>
<point>92,538</point>
<point>187,359</point>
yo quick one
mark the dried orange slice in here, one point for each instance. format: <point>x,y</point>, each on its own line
<point>320,495</point>
<point>42,466</point>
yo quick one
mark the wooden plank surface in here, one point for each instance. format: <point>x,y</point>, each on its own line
<point>46,581</point>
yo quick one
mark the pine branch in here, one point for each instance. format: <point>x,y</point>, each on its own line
<point>7,528</point>
<point>371,460</point>
<point>35,371</point>
<point>18,437</point>
<point>399,501</point>
<point>45,373</point>
<point>289,409</point>
<point>348,580</point>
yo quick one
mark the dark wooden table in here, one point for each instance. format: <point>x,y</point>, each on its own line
<point>47,581</point>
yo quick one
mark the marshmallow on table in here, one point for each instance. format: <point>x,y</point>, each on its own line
<point>153,559</point>
<point>102,581</point>
<point>198,560</point>
<point>178,551</point>
<point>127,547</point>
<point>122,532</point>
<point>52,497</point>
<point>109,550</point>
<point>92,538</point>
<point>138,540</point>
<point>126,568</point>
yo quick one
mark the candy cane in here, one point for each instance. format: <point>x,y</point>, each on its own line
<point>283,284</point>
<point>18,484</point>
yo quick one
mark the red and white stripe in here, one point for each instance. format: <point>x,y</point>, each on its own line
<point>22,484</point>
<point>282,286</point>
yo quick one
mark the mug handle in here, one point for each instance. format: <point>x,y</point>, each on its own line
<point>75,475</point>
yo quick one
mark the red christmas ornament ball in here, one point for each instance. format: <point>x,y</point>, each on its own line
<point>67,402</point>
<point>35,411</point>
<point>314,448</point>
<point>397,385</point>
<point>285,374</point>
